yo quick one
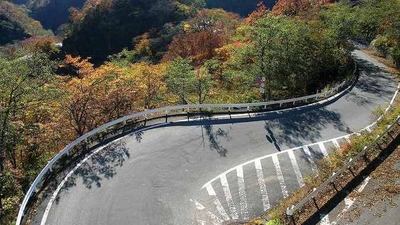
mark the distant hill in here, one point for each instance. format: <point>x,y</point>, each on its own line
<point>53,13</point>
<point>10,31</point>
<point>105,27</point>
<point>15,24</point>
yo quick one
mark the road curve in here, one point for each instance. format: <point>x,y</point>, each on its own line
<point>216,170</point>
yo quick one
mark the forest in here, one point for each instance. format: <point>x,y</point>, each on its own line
<point>120,57</point>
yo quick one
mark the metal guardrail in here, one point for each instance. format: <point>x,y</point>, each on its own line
<point>61,159</point>
<point>290,210</point>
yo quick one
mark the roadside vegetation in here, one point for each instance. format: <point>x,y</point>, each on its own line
<point>374,22</point>
<point>50,96</point>
<point>326,168</point>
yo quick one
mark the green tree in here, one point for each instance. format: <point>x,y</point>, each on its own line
<point>180,78</point>
<point>22,85</point>
<point>202,84</point>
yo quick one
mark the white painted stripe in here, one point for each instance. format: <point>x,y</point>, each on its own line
<point>281,152</point>
<point>296,168</point>
<point>347,139</point>
<point>364,184</point>
<point>323,149</point>
<point>279,174</point>
<point>197,204</point>
<point>215,219</point>
<point>228,196</point>
<point>368,129</point>
<point>348,202</point>
<point>314,167</point>
<point>324,219</point>
<point>242,194</point>
<point>336,143</point>
<point>394,97</point>
<point>261,184</point>
<point>217,203</point>
<point>53,197</point>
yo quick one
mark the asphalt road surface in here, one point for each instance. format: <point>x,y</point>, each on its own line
<point>216,170</point>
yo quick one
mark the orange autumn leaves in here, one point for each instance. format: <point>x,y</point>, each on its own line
<point>99,95</point>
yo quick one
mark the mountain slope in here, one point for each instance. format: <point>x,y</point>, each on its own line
<point>15,24</point>
<point>53,13</point>
<point>106,27</point>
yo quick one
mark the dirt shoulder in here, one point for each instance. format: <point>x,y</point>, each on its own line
<point>377,199</point>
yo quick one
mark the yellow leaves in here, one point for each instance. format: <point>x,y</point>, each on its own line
<point>186,27</point>
<point>76,66</point>
<point>149,80</point>
<point>143,48</point>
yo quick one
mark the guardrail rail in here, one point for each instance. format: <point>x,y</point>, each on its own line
<point>84,143</point>
<point>311,196</point>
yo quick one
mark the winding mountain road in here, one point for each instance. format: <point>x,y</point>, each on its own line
<point>216,170</point>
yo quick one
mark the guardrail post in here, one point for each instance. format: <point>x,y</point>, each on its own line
<point>166,116</point>
<point>294,102</point>
<point>333,184</point>
<point>315,203</point>
<point>289,214</point>
<point>248,108</point>
<point>351,171</point>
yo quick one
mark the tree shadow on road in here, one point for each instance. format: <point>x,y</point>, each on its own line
<point>296,129</point>
<point>271,137</point>
<point>213,137</point>
<point>101,165</point>
<point>92,172</point>
<point>378,84</point>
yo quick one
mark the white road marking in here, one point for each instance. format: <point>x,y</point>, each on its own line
<point>197,204</point>
<point>44,218</point>
<point>296,168</point>
<point>336,143</point>
<point>314,167</point>
<point>348,202</point>
<point>323,149</point>
<point>347,139</point>
<point>279,174</point>
<point>215,219</point>
<point>261,184</point>
<point>217,203</point>
<point>364,184</point>
<point>368,129</point>
<point>53,197</point>
<point>242,194</point>
<point>228,196</point>
<point>324,219</point>
<point>266,156</point>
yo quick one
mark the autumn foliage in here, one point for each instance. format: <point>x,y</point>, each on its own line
<point>294,7</point>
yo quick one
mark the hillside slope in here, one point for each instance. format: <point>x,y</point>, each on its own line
<point>106,27</point>
<point>15,24</point>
